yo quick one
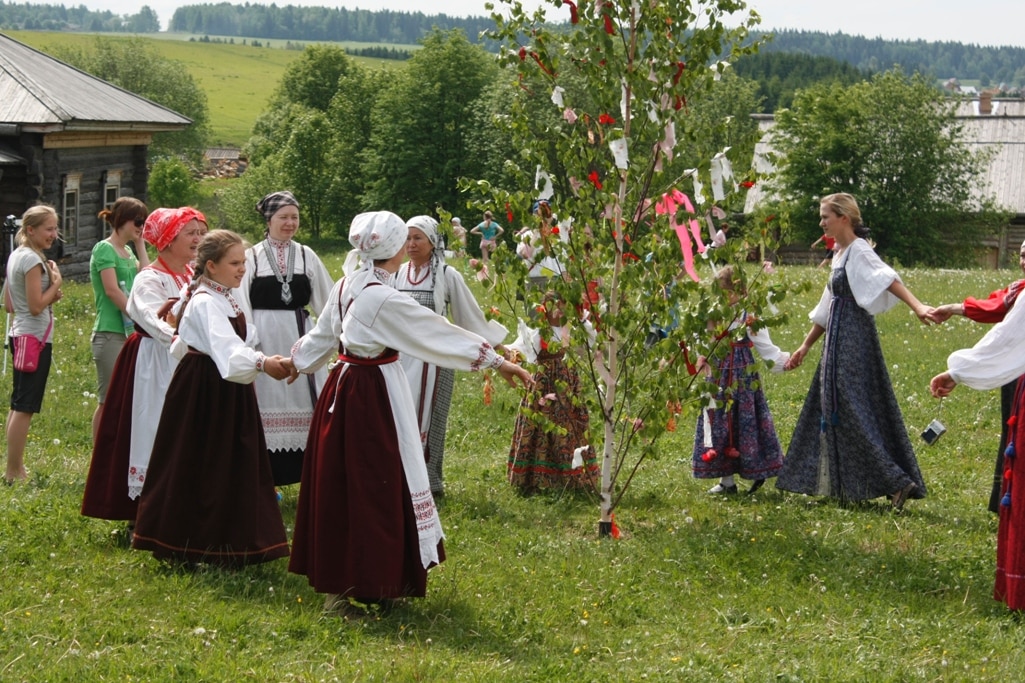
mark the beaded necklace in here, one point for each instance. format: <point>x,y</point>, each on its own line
<point>180,279</point>
<point>409,274</point>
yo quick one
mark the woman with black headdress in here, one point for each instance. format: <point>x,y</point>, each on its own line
<point>284,281</point>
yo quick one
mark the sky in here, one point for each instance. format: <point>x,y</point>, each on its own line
<point>982,22</point>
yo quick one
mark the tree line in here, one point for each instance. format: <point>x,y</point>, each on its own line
<point>1002,67</point>
<point>322,24</point>
<point>36,17</point>
<point>991,66</point>
<point>373,51</point>
<point>781,74</point>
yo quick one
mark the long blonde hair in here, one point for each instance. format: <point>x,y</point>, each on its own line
<point>33,218</point>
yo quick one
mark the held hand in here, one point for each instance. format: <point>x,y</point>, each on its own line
<point>796,358</point>
<point>510,371</point>
<point>275,367</point>
<point>942,314</point>
<point>293,374</point>
<point>925,314</point>
<point>941,385</point>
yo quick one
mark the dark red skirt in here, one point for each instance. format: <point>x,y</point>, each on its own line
<point>209,493</point>
<point>355,528</point>
<point>106,485</point>
<point>1010,574</point>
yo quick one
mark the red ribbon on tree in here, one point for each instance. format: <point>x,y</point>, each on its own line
<point>691,368</point>
<point>610,28</point>
<point>541,64</point>
<point>668,204</point>
<point>574,16</point>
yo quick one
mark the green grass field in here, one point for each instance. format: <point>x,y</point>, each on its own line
<point>771,587</point>
<point>238,79</point>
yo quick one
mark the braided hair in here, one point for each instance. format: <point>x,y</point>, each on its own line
<point>214,246</point>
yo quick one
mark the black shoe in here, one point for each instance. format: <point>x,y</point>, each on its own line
<point>720,490</point>
<point>900,497</point>
<point>755,485</point>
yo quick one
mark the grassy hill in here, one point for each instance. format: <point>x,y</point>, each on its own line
<point>238,79</point>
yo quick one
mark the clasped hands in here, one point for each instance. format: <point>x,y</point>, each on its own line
<point>280,367</point>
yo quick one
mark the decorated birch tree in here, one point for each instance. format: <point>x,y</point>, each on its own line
<point>605,130</point>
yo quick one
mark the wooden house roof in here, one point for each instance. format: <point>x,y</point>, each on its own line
<point>41,94</point>
<point>222,153</point>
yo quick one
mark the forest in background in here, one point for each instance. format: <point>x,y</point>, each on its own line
<point>1001,68</point>
<point>990,66</point>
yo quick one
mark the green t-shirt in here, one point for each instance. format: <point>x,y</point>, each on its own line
<point>104,255</point>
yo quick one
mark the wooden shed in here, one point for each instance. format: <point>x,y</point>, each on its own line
<point>71,140</point>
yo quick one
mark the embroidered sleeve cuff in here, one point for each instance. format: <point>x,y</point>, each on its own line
<point>260,359</point>
<point>497,362</point>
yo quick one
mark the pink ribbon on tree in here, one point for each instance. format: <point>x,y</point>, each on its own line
<point>668,204</point>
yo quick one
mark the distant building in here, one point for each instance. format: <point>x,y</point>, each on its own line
<point>224,162</point>
<point>73,141</point>
<point>991,124</point>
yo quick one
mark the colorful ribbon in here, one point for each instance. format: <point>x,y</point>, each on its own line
<point>668,204</point>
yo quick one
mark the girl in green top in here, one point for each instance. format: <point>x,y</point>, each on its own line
<point>112,269</point>
<point>489,232</point>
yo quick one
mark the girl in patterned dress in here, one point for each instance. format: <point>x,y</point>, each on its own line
<point>738,437</point>
<point>550,440</point>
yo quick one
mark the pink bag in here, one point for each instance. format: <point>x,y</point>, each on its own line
<point>27,348</point>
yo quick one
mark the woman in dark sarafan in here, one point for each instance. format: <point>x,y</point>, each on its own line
<point>850,441</point>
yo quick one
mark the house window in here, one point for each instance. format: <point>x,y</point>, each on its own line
<point>111,192</point>
<point>69,209</point>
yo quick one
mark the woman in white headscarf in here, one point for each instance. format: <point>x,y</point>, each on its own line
<point>427,278</point>
<point>284,281</point>
<point>366,524</point>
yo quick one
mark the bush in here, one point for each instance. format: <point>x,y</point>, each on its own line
<point>171,184</point>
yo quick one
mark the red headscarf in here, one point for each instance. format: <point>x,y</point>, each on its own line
<point>163,225</point>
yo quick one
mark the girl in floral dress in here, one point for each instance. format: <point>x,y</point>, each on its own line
<point>550,440</point>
